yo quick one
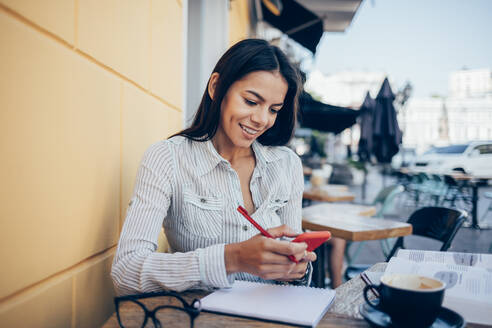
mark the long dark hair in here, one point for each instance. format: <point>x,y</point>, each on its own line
<point>244,57</point>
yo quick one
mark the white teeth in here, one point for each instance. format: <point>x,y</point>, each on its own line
<point>250,131</point>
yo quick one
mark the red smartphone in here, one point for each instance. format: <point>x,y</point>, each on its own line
<point>313,239</point>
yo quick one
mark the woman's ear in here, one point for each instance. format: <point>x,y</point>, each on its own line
<point>212,84</point>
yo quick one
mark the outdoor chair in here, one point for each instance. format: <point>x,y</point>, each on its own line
<point>418,188</point>
<point>428,189</point>
<point>457,194</point>
<point>438,223</point>
<point>404,179</point>
<point>384,200</point>
<point>438,190</point>
<point>488,195</point>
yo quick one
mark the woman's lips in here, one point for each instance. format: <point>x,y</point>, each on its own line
<point>249,132</point>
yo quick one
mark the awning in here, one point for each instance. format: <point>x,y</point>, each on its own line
<point>337,15</point>
<point>323,117</point>
<point>299,23</point>
<point>304,21</point>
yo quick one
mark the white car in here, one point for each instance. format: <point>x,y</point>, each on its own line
<point>473,158</point>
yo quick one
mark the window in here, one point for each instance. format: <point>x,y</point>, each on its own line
<point>454,149</point>
<point>484,149</point>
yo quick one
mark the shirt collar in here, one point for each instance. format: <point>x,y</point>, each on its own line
<point>264,154</point>
<point>210,158</point>
<point>207,156</point>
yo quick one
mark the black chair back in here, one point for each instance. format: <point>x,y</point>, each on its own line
<point>450,181</point>
<point>439,223</point>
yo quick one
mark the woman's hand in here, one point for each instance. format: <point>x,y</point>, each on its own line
<point>268,258</point>
<point>300,268</point>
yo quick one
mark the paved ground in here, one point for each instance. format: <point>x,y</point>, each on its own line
<point>467,239</point>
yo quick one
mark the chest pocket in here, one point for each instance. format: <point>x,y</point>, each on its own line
<point>275,204</point>
<point>203,214</point>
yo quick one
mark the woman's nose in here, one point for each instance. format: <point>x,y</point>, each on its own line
<point>260,117</point>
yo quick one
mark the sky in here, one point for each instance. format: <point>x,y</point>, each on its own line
<point>421,41</point>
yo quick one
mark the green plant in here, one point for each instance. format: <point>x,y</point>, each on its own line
<point>318,140</point>
<point>357,165</point>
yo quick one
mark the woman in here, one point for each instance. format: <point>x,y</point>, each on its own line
<point>193,182</point>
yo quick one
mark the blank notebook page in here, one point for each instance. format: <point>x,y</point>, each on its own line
<point>291,304</point>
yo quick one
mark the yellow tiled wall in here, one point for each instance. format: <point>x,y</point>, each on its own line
<point>85,87</point>
<point>239,22</point>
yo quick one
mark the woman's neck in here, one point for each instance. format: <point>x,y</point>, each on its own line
<point>228,150</point>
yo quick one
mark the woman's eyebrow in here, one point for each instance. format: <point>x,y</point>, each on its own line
<point>261,98</point>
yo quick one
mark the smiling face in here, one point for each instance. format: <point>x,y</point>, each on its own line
<point>250,107</point>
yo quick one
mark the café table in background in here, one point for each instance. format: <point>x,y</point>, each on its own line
<point>474,182</point>
<point>328,193</point>
<point>340,209</point>
<point>349,225</point>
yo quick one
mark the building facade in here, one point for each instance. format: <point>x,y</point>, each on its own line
<point>470,83</point>
<point>346,88</point>
<point>465,115</point>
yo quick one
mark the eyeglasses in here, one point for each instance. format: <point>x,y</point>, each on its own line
<point>172,311</point>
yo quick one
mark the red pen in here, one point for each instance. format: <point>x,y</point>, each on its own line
<point>265,233</point>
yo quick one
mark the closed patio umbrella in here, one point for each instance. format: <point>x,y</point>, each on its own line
<point>364,150</point>
<point>386,132</point>
<point>365,121</point>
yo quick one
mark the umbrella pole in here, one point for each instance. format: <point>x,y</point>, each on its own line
<point>364,185</point>
<point>385,171</point>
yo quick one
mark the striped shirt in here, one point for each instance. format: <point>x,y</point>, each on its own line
<point>188,188</point>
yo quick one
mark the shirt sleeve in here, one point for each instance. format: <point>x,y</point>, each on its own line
<point>291,213</point>
<point>137,267</point>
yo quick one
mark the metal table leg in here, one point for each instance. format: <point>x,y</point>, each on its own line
<point>475,206</point>
<point>319,267</point>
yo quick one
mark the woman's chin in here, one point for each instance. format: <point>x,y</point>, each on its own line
<point>243,142</point>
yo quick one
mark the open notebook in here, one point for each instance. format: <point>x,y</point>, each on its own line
<point>298,305</point>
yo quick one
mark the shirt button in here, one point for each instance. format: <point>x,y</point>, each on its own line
<point>203,200</point>
<point>245,228</point>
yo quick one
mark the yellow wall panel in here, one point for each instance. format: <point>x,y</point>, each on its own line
<point>144,121</point>
<point>117,33</point>
<point>238,21</point>
<point>94,290</point>
<point>167,51</point>
<point>56,16</point>
<point>97,31</point>
<point>72,134</point>
<point>47,307</point>
<point>59,140</point>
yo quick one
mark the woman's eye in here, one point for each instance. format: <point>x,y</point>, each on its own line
<point>274,111</point>
<point>249,102</point>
